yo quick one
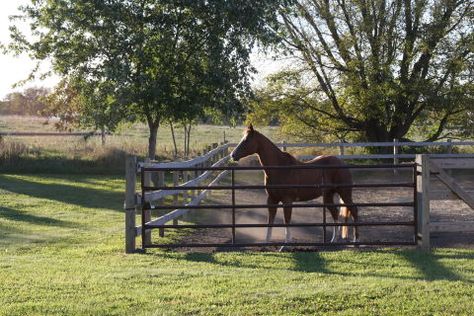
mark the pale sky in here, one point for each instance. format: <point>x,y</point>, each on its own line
<point>15,69</point>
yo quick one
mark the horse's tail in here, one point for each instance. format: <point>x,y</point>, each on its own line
<point>344,213</point>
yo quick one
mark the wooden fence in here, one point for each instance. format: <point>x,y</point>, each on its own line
<point>396,149</point>
<point>430,167</point>
<point>41,134</point>
<point>216,157</point>
<point>219,156</point>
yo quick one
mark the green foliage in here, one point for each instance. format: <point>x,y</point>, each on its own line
<point>28,102</point>
<point>80,104</point>
<point>289,102</point>
<point>161,60</point>
<point>377,69</point>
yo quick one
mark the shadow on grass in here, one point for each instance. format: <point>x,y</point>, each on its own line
<point>62,165</point>
<point>305,262</point>
<point>20,216</point>
<point>310,262</point>
<point>427,265</point>
<point>84,197</point>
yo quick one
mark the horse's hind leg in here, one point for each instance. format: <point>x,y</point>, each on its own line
<point>287,209</point>
<point>346,195</point>
<point>271,217</point>
<point>355,216</point>
<point>328,198</point>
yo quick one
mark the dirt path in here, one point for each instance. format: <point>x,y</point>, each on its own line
<point>441,210</point>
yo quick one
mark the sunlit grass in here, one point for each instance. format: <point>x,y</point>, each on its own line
<point>61,253</point>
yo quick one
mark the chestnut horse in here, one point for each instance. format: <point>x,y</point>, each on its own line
<point>254,142</point>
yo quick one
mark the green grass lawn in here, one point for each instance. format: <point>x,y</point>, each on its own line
<point>61,253</point>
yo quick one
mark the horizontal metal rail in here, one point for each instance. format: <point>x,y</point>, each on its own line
<point>240,206</point>
<point>198,226</point>
<point>291,244</point>
<point>233,206</point>
<point>292,167</point>
<point>277,186</point>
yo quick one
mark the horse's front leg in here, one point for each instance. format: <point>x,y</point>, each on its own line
<point>271,217</point>
<point>287,209</point>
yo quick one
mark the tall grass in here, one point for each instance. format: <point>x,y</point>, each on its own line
<point>87,155</point>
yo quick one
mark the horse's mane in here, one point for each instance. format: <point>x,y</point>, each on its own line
<point>288,158</point>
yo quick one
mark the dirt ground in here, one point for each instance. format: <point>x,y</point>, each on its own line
<point>440,211</point>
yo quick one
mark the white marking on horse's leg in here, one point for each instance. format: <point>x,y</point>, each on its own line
<point>334,233</point>
<point>269,234</point>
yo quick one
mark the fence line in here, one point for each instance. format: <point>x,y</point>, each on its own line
<point>377,144</point>
<point>218,157</point>
<point>135,201</point>
<point>185,164</point>
<point>34,134</point>
<point>156,195</point>
<point>429,168</point>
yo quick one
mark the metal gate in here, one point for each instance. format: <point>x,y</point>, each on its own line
<point>232,187</point>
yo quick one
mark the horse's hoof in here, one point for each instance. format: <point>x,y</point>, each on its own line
<point>282,248</point>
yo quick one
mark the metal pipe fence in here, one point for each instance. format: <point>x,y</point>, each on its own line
<point>233,206</point>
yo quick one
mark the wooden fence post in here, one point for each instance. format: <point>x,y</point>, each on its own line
<point>450,146</point>
<point>175,197</point>
<point>161,183</point>
<point>423,201</point>
<point>130,203</point>
<point>395,155</point>
<point>185,192</point>
<point>341,149</point>
<point>147,213</point>
<point>450,151</point>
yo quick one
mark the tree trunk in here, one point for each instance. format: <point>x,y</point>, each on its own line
<point>102,135</point>
<point>153,126</point>
<point>185,141</point>
<point>188,137</point>
<point>374,133</point>
<point>174,140</point>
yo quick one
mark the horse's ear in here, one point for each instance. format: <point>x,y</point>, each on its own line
<point>250,127</point>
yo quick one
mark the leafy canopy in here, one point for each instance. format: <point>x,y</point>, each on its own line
<point>161,60</point>
<point>377,69</point>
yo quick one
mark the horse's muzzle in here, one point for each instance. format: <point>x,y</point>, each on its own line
<point>234,156</point>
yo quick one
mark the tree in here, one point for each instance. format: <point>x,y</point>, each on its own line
<point>28,102</point>
<point>377,69</point>
<point>79,104</point>
<point>159,56</point>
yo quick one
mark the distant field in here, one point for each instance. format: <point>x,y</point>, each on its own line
<point>75,154</point>
<point>134,137</point>
<point>78,155</point>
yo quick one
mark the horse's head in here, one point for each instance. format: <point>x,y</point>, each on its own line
<point>247,146</point>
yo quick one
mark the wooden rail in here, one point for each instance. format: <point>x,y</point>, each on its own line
<point>40,134</point>
<point>377,144</point>
<point>396,145</point>
<point>134,200</point>
<point>431,167</point>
